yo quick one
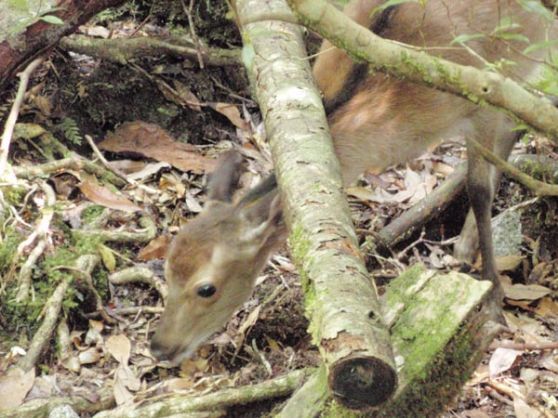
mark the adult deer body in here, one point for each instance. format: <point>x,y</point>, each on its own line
<point>375,121</point>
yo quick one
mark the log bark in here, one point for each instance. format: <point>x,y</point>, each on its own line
<point>439,335</point>
<point>42,407</point>
<point>341,299</point>
<point>20,49</point>
<point>217,401</point>
<point>123,50</point>
<point>432,205</point>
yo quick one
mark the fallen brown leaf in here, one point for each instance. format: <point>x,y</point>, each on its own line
<point>502,360</point>
<point>14,386</point>
<point>89,356</point>
<point>121,393</point>
<point>190,367</point>
<point>547,308</point>
<point>105,197</point>
<point>232,113</point>
<point>508,262</point>
<point>119,346</point>
<point>525,292</point>
<point>523,410</point>
<point>187,97</point>
<point>156,249</point>
<point>523,304</point>
<point>152,141</point>
<point>476,413</point>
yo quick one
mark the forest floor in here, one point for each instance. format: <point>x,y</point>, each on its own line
<point>103,324</point>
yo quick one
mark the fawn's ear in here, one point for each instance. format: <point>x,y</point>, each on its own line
<point>262,220</point>
<point>224,180</point>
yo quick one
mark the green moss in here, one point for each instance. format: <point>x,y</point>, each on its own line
<point>10,240</point>
<point>539,170</point>
<point>91,213</point>
<point>439,354</point>
<point>47,274</point>
<point>299,246</point>
<point>416,67</point>
<point>87,244</point>
<point>14,195</point>
<point>100,281</point>
<point>448,372</point>
<point>334,410</point>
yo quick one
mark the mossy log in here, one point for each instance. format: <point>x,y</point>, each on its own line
<point>29,31</point>
<point>342,303</point>
<point>439,333</point>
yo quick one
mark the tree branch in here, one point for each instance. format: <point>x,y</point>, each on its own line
<point>405,61</point>
<point>123,50</point>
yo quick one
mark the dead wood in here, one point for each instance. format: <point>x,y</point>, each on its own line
<point>274,388</point>
<point>432,205</point>
<point>52,310</point>
<point>41,36</point>
<point>341,299</point>
<point>439,334</point>
<point>405,225</point>
<point>122,50</point>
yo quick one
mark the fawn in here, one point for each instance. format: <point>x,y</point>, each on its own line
<point>376,120</point>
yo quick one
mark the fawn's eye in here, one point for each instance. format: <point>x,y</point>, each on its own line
<point>206,290</point>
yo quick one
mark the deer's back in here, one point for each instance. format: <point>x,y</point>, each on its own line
<point>387,121</point>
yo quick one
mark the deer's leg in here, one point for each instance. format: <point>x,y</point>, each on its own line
<point>481,181</point>
<point>468,243</point>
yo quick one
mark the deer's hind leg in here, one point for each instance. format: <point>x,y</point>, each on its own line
<point>468,243</point>
<point>493,131</point>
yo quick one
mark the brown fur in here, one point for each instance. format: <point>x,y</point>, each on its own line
<point>382,121</point>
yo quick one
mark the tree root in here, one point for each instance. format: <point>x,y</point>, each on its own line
<point>278,387</point>
<point>140,275</point>
<point>148,232</point>
<point>72,163</point>
<point>415,217</point>
<point>85,263</point>
<point>122,50</point>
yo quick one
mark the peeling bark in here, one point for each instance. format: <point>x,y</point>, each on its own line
<point>41,36</point>
<point>341,299</point>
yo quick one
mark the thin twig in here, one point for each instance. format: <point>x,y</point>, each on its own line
<point>540,188</point>
<point>192,27</point>
<point>524,346</point>
<point>27,268</point>
<point>139,275</point>
<point>497,396</point>
<point>88,280</point>
<point>42,228</point>
<point>12,119</point>
<point>42,336</point>
<point>117,172</point>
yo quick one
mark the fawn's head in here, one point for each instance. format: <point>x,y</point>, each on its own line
<point>213,261</point>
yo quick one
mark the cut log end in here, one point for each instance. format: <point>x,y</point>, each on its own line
<point>362,382</point>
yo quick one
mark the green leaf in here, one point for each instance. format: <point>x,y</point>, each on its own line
<point>511,36</point>
<point>536,7</point>
<point>20,5</point>
<point>390,3</point>
<point>108,257</point>
<point>53,20</point>
<point>506,24</point>
<point>466,37</point>
<point>540,45</point>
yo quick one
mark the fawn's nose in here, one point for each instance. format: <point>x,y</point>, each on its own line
<point>160,351</point>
